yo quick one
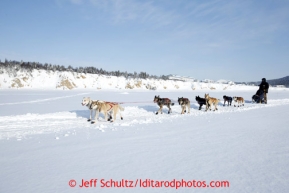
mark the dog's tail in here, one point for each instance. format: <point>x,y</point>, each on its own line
<point>121,108</point>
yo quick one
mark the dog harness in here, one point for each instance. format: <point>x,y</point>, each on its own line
<point>92,102</point>
<point>90,106</point>
<point>110,105</point>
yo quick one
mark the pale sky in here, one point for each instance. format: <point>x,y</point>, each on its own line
<point>205,39</point>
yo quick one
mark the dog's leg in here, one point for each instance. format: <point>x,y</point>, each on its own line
<point>109,116</point>
<point>114,116</point>
<point>112,113</point>
<point>95,116</point>
<point>105,116</point>
<point>90,116</point>
<point>158,110</point>
<point>93,120</point>
<point>120,115</point>
<point>169,108</point>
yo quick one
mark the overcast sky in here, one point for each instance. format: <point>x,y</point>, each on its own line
<point>238,40</point>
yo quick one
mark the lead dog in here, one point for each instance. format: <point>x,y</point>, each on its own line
<point>238,100</point>
<point>211,101</point>
<point>161,102</point>
<point>107,108</point>
<point>185,103</point>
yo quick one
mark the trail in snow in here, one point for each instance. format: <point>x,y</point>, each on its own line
<point>67,123</point>
<point>43,100</point>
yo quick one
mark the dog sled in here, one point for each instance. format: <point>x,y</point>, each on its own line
<point>258,97</point>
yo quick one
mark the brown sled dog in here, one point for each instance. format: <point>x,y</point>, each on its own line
<point>185,103</point>
<point>161,102</point>
<point>238,100</point>
<point>107,108</point>
<point>210,102</point>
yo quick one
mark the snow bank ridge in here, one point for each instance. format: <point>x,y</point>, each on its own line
<point>46,79</point>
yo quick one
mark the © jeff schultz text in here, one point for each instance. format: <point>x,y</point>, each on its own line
<point>148,183</point>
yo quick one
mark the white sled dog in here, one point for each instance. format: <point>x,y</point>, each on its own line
<point>107,108</point>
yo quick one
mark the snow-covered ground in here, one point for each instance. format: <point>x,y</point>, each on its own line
<point>45,141</point>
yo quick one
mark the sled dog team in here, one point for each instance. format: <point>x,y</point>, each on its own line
<point>111,108</point>
<point>208,101</point>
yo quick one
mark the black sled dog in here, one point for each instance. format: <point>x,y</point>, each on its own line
<point>227,99</point>
<point>201,101</point>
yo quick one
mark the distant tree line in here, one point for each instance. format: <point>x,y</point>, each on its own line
<point>14,65</point>
<point>280,81</point>
<point>273,82</point>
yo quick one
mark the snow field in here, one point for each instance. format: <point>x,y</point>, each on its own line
<point>48,143</point>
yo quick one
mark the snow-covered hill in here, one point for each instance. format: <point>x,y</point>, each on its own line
<point>46,79</point>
